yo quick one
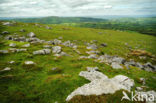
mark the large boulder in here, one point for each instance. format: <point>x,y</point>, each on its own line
<point>101,84</point>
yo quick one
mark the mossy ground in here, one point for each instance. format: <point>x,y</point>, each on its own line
<point>37,85</point>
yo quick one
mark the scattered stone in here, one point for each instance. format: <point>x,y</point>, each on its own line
<point>47,27</point>
<point>89,69</point>
<point>115,65</point>
<point>4,51</point>
<point>139,88</point>
<point>92,52</point>
<point>83,57</point>
<point>94,41</point>
<point>104,45</point>
<point>93,56</point>
<point>42,52</point>
<point>57,49</point>
<point>9,37</point>
<point>26,45</point>
<point>57,42</point>
<point>74,46</point>
<point>47,46</point>
<point>22,30</point>
<point>93,47</point>
<point>118,60</point>
<point>31,34</point>
<point>29,63</point>
<point>61,54</point>
<point>6,69</point>
<point>55,70</point>
<point>101,84</point>
<point>12,45</point>
<point>11,62</point>
<point>5,32</point>
<point>149,67</point>
<point>21,50</point>
<point>8,24</point>
<point>143,81</point>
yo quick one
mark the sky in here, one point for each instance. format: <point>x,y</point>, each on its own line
<point>34,8</point>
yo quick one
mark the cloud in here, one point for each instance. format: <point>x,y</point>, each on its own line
<point>76,7</point>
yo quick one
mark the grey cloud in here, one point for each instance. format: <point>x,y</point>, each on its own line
<point>75,7</point>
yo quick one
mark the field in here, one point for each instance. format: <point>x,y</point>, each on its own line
<point>38,84</point>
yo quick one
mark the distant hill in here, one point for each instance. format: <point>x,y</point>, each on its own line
<point>145,25</point>
<point>58,20</point>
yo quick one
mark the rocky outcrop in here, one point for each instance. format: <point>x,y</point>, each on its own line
<point>101,84</point>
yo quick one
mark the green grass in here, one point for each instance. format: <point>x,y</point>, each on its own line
<point>38,85</point>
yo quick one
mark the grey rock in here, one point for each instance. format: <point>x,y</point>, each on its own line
<point>11,62</point>
<point>103,45</point>
<point>149,67</point>
<point>143,81</point>
<point>101,84</point>
<point>115,65</point>
<point>31,34</point>
<point>57,49</point>
<point>21,50</point>
<point>57,42</point>
<point>12,45</point>
<point>9,37</point>
<point>118,60</point>
<point>47,27</point>
<point>139,88</point>
<point>5,32</point>
<point>92,69</point>
<point>93,47</point>
<point>83,57</point>
<point>47,46</point>
<point>29,63</point>
<point>93,56</point>
<point>26,45</point>
<point>7,24</point>
<point>4,51</point>
<point>22,30</point>
<point>32,39</point>
<point>6,69</point>
<point>42,52</point>
<point>92,52</point>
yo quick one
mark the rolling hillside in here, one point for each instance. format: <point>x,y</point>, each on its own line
<point>40,63</point>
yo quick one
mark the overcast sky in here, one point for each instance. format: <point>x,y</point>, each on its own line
<point>17,8</point>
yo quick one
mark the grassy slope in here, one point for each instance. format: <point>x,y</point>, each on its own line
<point>40,86</point>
